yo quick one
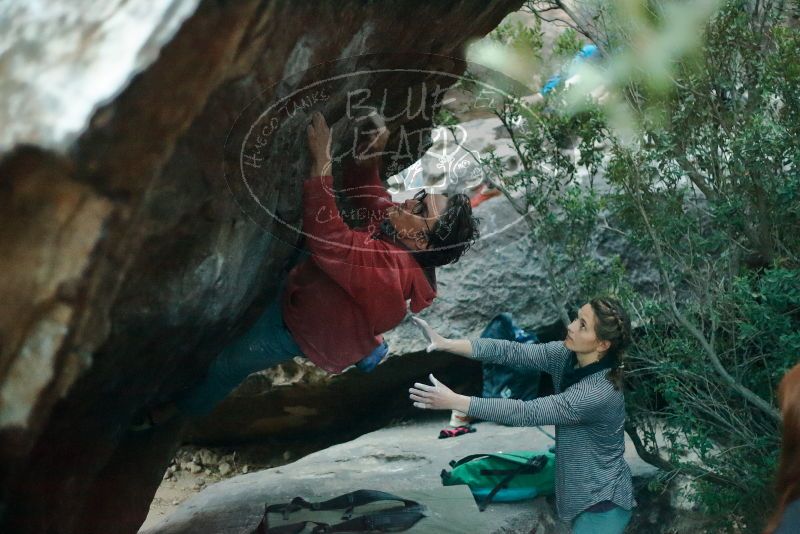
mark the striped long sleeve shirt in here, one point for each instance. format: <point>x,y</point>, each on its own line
<point>589,418</point>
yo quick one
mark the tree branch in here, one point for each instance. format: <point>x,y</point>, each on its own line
<point>519,209</point>
<point>696,177</point>
<point>734,384</point>
<point>663,464</point>
<point>577,24</point>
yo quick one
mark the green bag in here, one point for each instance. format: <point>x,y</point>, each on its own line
<point>504,476</point>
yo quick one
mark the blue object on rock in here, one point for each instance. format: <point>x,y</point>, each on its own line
<point>588,52</point>
<point>504,382</point>
<point>371,360</point>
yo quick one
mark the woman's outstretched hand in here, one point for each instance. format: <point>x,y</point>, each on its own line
<point>435,341</point>
<point>437,397</point>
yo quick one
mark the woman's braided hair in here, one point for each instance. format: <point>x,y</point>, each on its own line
<point>613,325</point>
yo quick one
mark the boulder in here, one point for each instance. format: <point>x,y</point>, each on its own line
<point>406,459</point>
<point>128,259</point>
<point>296,405</point>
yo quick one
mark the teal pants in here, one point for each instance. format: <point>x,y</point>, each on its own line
<point>613,521</point>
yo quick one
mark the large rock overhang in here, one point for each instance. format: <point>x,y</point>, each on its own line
<point>127,263</point>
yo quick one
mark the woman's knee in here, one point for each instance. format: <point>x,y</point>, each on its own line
<point>613,521</point>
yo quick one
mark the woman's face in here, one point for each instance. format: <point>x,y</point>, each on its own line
<point>581,337</point>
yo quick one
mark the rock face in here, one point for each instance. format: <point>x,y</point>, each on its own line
<point>406,460</point>
<point>127,263</point>
<point>303,408</point>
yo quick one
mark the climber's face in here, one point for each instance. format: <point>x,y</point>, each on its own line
<point>414,218</point>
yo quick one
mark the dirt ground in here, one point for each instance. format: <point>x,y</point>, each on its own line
<point>194,468</point>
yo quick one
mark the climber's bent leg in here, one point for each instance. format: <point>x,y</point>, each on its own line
<point>266,344</point>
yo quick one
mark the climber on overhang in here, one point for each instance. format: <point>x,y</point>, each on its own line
<point>354,285</point>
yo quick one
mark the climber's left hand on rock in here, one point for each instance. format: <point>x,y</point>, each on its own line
<point>319,145</point>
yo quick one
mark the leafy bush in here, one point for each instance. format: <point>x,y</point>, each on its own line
<point>707,189</point>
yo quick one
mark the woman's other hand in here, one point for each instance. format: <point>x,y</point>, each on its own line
<point>437,397</point>
<point>435,341</point>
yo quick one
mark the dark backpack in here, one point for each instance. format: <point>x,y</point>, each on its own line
<point>500,381</point>
<point>300,515</point>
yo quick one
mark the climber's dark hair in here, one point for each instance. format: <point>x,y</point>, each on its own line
<point>452,234</point>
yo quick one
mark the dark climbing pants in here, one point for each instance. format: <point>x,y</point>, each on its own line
<point>266,344</point>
